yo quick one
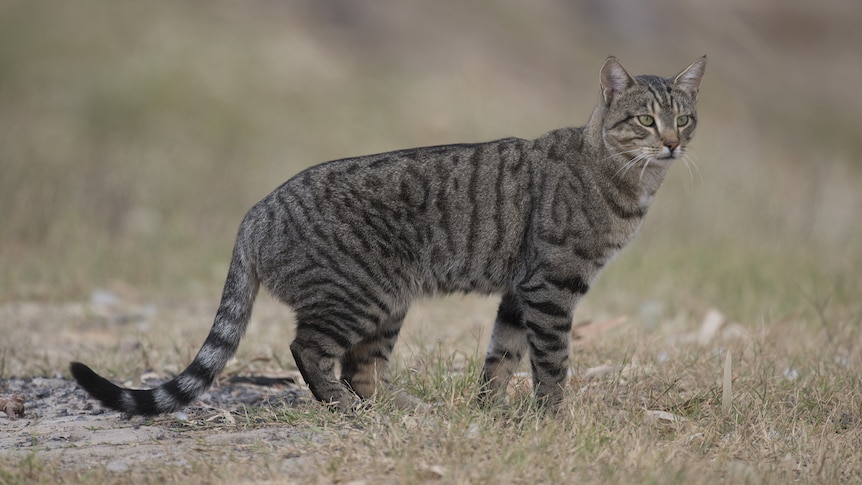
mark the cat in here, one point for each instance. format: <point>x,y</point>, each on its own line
<point>348,244</point>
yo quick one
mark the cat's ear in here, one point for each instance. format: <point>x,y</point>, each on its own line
<point>689,79</point>
<point>614,79</point>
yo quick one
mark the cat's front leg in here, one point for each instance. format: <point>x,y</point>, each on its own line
<point>547,304</point>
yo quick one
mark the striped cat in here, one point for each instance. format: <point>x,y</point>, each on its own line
<point>349,244</point>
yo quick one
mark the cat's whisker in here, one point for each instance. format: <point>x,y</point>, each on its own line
<point>638,159</point>
<point>621,172</point>
<point>691,158</point>
<point>616,154</point>
<point>688,167</point>
<point>628,165</point>
<point>645,167</point>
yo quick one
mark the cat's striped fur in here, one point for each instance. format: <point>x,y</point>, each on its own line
<point>350,243</point>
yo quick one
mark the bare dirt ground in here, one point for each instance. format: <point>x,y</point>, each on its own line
<point>256,411</point>
<point>64,424</point>
<point>63,427</point>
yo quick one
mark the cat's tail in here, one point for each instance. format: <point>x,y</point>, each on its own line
<point>231,320</point>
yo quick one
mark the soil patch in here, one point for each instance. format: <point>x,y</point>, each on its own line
<point>62,423</point>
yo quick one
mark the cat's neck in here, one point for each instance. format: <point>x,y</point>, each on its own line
<point>593,129</point>
<point>641,183</point>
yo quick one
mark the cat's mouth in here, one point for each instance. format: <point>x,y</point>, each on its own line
<point>666,152</point>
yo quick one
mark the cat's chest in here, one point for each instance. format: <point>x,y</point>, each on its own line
<point>645,200</point>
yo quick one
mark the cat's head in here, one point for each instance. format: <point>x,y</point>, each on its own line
<point>648,119</point>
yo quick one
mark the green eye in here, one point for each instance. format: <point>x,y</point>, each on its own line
<point>646,120</point>
<point>682,120</point>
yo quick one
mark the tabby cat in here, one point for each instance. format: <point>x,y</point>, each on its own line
<point>350,243</point>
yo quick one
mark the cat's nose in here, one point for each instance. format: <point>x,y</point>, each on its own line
<point>671,145</point>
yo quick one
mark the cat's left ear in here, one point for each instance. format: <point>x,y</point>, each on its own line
<point>689,79</point>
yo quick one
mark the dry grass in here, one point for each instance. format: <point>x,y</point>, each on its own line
<point>645,405</point>
<point>132,139</point>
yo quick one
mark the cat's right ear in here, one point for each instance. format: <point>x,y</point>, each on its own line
<point>689,79</point>
<point>614,79</point>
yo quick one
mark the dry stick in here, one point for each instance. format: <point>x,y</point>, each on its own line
<point>726,396</point>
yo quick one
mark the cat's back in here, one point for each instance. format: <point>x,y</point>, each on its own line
<point>456,214</point>
<point>409,182</point>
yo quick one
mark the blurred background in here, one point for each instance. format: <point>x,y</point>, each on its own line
<point>135,135</point>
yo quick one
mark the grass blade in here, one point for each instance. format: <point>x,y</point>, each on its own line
<point>726,385</point>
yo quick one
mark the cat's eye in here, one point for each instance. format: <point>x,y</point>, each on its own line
<point>682,120</point>
<point>646,120</point>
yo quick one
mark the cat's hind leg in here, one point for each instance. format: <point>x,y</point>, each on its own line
<point>321,343</point>
<point>505,351</point>
<point>364,365</point>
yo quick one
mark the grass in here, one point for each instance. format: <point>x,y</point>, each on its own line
<point>783,427</point>
<point>132,141</point>
<point>794,415</point>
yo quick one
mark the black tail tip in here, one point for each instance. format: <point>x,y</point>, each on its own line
<point>97,386</point>
<point>82,373</point>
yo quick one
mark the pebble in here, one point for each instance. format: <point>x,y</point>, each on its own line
<point>117,466</point>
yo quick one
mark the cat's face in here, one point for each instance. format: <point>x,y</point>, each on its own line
<point>649,119</point>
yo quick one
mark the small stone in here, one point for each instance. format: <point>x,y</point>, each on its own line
<point>117,466</point>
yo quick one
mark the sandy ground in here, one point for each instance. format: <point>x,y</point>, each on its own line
<point>63,423</point>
